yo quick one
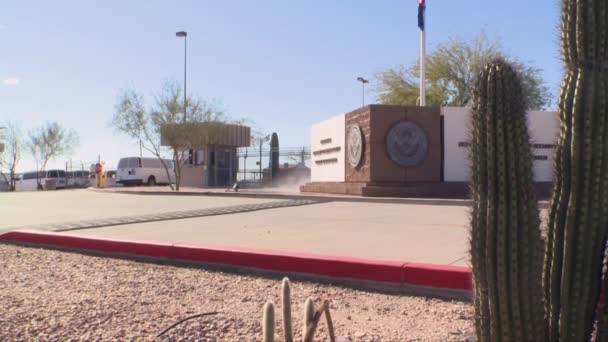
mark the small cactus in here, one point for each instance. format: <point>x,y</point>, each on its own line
<point>286,300</point>
<point>309,314</point>
<point>310,320</point>
<point>268,322</point>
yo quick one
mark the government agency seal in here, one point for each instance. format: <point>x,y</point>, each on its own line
<point>354,145</point>
<point>407,144</point>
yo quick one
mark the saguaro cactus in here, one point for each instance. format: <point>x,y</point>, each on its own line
<point>505,234</point>
<point>578,214</point>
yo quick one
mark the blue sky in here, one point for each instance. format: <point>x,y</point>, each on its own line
<point>283,65</point>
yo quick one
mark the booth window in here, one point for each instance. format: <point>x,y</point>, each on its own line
<point>190,157</point>
<point>199,157</point>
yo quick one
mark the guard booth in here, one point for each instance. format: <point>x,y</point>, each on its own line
<point>222,167</point>
<point>210,149</point>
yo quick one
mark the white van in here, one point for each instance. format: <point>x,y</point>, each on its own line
<point>32,182</point>
<point>150,171</point>
<point>78,179</point>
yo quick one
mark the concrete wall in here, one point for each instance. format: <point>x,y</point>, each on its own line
<point>193,175</point>
<point>376,165</point>
<point>328,150</point>
<point>543,127</point>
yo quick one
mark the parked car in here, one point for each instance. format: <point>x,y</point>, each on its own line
<point>32,181</point>
<point>150,171</point>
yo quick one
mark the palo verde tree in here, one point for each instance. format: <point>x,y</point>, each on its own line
<point>48,142</point>
<point>451,70</point>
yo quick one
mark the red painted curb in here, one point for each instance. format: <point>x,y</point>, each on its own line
<point>362,269</point>
<point>446,277</point>
<point>139,248</point>
<point>440,276</point>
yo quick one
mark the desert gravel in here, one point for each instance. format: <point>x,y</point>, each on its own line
<point>48,295</point>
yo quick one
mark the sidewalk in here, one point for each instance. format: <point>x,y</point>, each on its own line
<point>398,232</point>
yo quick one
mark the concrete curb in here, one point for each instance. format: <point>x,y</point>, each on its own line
<point>390,272</point>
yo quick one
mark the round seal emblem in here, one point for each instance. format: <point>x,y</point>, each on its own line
<point>406,144</point>
<point>354,145</point>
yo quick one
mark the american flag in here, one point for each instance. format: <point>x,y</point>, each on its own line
<point>421,8</point>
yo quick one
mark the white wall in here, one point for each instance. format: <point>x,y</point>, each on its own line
<point>333,129</point>
<point>455,131</point>
<point>544,130</point>
<point>543,127</point>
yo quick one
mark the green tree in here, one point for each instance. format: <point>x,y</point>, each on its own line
<point>450,75</point>
<point>50,141</point>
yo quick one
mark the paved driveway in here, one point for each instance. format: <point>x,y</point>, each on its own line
<point>406,232</point>
<point>51,207</point>
<point>422,233</point>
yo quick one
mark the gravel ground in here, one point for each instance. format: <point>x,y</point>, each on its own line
<point>59,296</point>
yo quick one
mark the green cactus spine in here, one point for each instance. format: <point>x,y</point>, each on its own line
<point>578,214</point>
<point>268,322</point>
<point>505,232</point>
<point>286,300</point>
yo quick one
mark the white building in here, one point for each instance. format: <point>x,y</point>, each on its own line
<point>330,152</point>
<point>543,128</point>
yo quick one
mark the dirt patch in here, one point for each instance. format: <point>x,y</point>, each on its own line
<point>52,295</point>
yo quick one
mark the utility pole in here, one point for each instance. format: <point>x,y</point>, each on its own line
<point>422,26</point>
<point>266,138</point>
<point>245,166</point>
<point>261,175</point>
<point>184,34</point>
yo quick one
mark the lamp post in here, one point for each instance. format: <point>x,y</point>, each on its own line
<point>363,82</point>
<point>184,34</point>
<point>266,138</point>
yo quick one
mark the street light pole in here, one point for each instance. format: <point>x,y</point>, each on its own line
<point>363,82</point>
<point>266,138</point>
<point>184,34</point>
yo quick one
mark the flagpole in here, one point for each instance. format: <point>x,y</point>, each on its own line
<point>423,63</point>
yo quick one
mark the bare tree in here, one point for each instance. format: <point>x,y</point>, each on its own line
<point>12,138</point>
<point>164,128</point>
<point>50,141</point>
